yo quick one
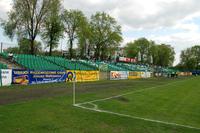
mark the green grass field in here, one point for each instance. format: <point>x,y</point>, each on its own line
<point>51,110</point>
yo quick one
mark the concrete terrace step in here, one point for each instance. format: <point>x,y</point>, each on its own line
<point>10,64</point>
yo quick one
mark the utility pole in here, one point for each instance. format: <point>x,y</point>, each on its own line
<point>1,47</point>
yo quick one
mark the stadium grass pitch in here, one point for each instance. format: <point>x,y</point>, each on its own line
<point>166,100</point>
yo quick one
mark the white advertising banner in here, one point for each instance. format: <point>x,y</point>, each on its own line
<point>146,74</point>
<point>149,74</point>
<point>117,75</point>
<point>6,77</point>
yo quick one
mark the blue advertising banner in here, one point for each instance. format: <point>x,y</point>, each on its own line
<point>39,77</point>
<point>25,77</point>
<point>20,77</point>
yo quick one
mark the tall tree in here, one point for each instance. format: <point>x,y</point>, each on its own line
<point>24,46</point>
<point>53,28</point>
<point>165,55</point>
<point>131,50</point>
<point>150,52</point>
<point>190,58</point>
<point>106,33</point>
<point>25,19</point>
<point>84,37</point>
<point>154,52</point>
<point>142,46</point>
<point>72,21</point>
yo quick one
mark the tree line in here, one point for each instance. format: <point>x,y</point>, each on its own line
<point>148,52</point>
<point>190,59</point>
<point>98,35</point>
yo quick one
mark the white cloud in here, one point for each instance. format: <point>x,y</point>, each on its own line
<point>140,13</point>
<point>189,27</point>
<point>5,6</point>
<point>127,39</point>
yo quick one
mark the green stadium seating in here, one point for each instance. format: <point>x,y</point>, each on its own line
<point>70,64</point>
<point>105,66</point>
<point>3,66</point>
<point>33,62</point>
<point>134,67</point>
<point>4,55</point>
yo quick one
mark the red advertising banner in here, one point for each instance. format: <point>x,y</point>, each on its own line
<point>128,60</point>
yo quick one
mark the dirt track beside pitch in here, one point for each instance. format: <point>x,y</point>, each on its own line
<point>16,93</point>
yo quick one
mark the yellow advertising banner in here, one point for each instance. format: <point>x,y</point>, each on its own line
<point>135,75</point>
<point>184,74</point>
<point>83,76</point>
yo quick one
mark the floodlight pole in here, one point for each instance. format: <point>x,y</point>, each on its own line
<point>74,92</point>
<point>74,85</point>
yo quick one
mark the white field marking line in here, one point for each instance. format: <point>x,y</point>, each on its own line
<point>95,106</point>
<point>134,117</point>
<point>129,116</point>
<point>132,92</point>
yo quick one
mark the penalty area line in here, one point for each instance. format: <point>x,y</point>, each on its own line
<point>95,109</point>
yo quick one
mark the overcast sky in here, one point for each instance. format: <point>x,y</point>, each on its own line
<point>174,22</point>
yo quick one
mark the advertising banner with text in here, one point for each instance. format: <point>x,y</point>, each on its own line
<point>20,77</point>
<point>134,75</point>
<point>82,76</point>
<point>117,75</point>
<point>25,77</point>
<point>40,77</point>
<point>146,74</point>
<point>6,77</point>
